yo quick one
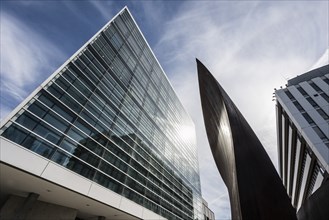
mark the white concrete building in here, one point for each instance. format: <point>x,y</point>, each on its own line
<point>303,133</point>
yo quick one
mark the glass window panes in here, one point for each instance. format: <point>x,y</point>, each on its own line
<point>111,116</point>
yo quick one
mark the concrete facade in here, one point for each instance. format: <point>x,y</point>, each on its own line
<point>17,207</point>
<point>208,214</point>
<point>303,133</point>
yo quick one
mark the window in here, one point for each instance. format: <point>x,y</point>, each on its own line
<point>308,118</point>
<point>60,157</point>
<point>56,121</point>
<point>320,133</point>
<point>325,96</point>
<point>315,87</point>
<point>68,145</point>
<point>38,109</point>
<point>47,132</point>
<point>15,134</point>
<point>38,146</point>
<point>311,101</point>
<point>80,168</point>
<point>27,120</point>
<point>298,106</point>
<point>323,114</point>
<point>326,80</point>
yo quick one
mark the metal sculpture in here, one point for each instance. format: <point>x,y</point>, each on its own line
<point>316,206</point>
<point>254,186</point>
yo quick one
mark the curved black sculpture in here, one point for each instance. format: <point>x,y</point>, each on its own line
<point>255,189</point>
<point>316,206</point>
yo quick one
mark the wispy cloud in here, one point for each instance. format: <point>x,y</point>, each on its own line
<point>251,48</point>
<point>26,60</point>
<point>323,60</point>
<point>76,11</point>
<point>105,8</point>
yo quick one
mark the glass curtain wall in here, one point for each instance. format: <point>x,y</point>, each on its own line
<point>112,116</point>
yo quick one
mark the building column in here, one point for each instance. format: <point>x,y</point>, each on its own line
<point>27,206</point>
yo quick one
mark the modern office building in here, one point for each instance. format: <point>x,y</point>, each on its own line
<point>254,186</point>
<point>303,133</point>
<point>207,213</point>
<point>104,137</point>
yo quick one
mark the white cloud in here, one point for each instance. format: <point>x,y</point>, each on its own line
<point>251,48</point>
<point>26,59</point>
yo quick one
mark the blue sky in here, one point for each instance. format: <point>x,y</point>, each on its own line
<point>251,47</point>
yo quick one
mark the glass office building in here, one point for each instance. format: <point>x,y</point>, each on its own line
<point>303,133</point>
<point>110,115</point>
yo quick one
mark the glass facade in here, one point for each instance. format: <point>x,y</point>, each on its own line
<point>111,115</point>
